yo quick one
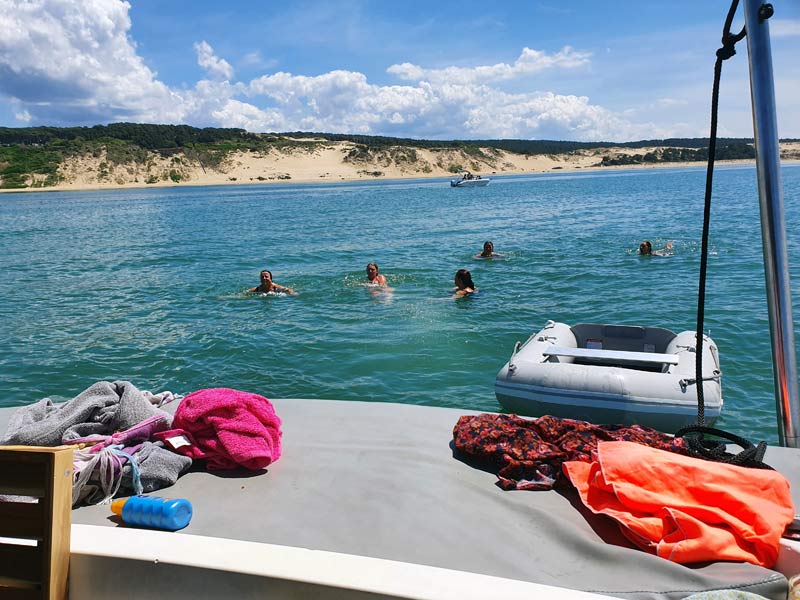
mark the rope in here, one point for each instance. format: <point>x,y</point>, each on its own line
<point>699,447</point>
<point>724,53</point>
<point>716,450</point>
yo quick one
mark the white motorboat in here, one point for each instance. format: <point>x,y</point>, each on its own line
<point>470,180</point>
<point>611,374</point>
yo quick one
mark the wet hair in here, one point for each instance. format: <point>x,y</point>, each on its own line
<point>465,278</point>
<point>266,271</point>
<point>377,270</point>
<point>646,247</point>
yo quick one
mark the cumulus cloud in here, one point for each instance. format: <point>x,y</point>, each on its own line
<point>528,63</point>
<point>346,101</point>
<point>216,67</point>
<point>73,62</point>
<point>67,62</point>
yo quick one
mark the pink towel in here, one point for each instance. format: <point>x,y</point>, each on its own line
<point>228,428</point>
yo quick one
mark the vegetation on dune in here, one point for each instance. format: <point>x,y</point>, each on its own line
<point>31,156</point>
<point>21,164</point>
<point>731,151</point>
<point>531,147</point>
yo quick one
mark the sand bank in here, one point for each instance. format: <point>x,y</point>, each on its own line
<point>337,162</point>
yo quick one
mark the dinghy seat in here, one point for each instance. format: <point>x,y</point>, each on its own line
<point>613,356</point>
<point>630,346</point>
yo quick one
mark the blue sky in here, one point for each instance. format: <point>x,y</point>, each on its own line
<point>467,70</point>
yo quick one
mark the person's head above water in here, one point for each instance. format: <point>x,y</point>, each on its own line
<point>373,276</point>
<point>488,249</point>
<point>645,247</point>
<point>267,285</point>
<point>463,280</point>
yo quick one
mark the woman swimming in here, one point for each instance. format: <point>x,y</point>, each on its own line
<point>646,249</point>
<point>488,251</point>
<point>373,277</point>
<point>463,284</point>
<point>267,285</point>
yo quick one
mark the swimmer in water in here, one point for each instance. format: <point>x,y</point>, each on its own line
<point>373,277</point>
<point>267,285</point>
<point>488,251</point>
<point>463,284</point>
<point>646,249</point>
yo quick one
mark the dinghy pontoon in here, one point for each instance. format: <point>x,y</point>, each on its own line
<point>611,374</point>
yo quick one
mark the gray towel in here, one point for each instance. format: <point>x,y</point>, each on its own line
<point>102,408</point>
<point>158,467</point>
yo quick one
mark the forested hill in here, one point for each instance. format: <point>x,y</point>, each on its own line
<point>131,152</point>
<point>158,137</point>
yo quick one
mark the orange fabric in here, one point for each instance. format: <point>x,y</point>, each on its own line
<point>686,509</point>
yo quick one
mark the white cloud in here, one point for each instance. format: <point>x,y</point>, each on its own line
<point>344,101</point>
<point>528,63</point>
<point>216,67</point>
<point>73,62</point>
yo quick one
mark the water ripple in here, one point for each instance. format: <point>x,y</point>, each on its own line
<point>150,285</point>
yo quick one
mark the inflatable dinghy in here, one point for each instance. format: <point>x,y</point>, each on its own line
<point>611,374</point>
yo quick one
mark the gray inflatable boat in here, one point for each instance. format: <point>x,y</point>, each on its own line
<point>611,374</point>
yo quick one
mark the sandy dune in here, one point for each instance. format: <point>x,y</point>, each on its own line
<point>330,161</point>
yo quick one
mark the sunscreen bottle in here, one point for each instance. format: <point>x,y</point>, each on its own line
<point>155,512</point>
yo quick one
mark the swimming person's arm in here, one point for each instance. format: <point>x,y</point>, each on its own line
<point>666,251</point>
<point>284,289</point>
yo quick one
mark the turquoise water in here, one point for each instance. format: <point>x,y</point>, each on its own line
<point>147,285</point>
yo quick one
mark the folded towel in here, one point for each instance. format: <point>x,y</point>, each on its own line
<point>686,509</point>
<point>228,428</point>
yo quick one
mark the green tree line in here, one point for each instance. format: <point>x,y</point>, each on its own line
<point>29,151</point>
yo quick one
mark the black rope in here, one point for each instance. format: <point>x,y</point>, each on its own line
<point>724,53</point>
<point>716,450</point>
<point>694,435</point>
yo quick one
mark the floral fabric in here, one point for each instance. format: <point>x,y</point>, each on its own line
<point>528,453</point>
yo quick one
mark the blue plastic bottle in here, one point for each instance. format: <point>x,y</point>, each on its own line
<point>155,512</point>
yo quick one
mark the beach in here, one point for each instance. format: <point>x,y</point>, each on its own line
<point>328,161</point>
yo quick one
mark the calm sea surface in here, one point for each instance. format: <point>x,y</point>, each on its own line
<point>148,285</point>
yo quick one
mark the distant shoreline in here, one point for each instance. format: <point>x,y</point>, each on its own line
<point>333,176</point>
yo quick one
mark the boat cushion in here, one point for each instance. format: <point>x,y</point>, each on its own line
<point>382,480</point>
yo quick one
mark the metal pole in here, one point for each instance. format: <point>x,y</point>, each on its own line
<point>773,225</point>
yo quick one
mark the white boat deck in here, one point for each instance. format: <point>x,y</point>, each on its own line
<point>380,482</point>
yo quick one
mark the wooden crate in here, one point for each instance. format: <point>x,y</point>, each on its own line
<point>34,562</point>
